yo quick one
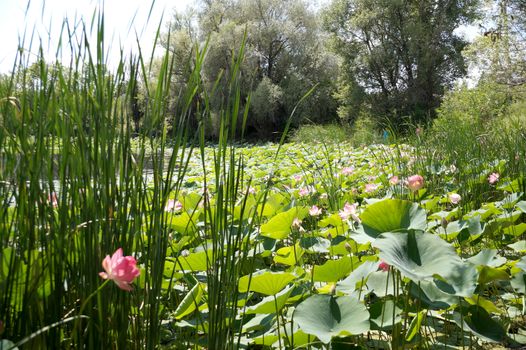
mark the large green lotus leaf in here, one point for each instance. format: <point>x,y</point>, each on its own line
<point>246,209</point>
<point>182,223</point>
<point>521,206</point>
<point>472,226</point>
<point>326,316</point>
<point>334,220</point>
<point>460,281</point>
<point>509,201</point>
<point>266,282</point>
<point>266,339</point>
<point>7,344</point>
<point>487,257</point>
<point>315,244</point>
<point>478,321</point>
<point>485,303</point>
<point>489,274</point>
<point>515,230</point>
<point>389,215</point>
<point>191,201</point>
<point>359,275</point>
<point>385,314</point>
<point>260,322</point>
<point>289,255</point>
<point>334,270</point>
<point>508,218</point>
<point>279,226</point>
<point>518,282</point>
<point>519,246</point>
<point>419,256</point>
<point>381,283</point>
<point>194,262</point>
<point>268,304</point>
<point>428,293</point>
<point>522,263</point>
<point>273,203</point>
<point>190,301</point>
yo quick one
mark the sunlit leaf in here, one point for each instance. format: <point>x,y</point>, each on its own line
<point>326,316</point>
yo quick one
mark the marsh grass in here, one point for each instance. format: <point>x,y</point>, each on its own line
<point>73,190</point>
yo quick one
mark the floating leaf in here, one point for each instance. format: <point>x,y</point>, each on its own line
<point>389,215</point>
<point>279,226</point>
<point>420,256</point>
<point>518,282</point>
<point>515,230</point>
<point>196,261</point>
<point>359,275</point>
<point>268,304</point>
<point>489,274</point>
<point>266,282</point>
<point>485,303</point>
<point>289,255</point>
<point>519,246</point>
<point>333,270</point>
<point>487,257</point>
<point>326,316</point>
<point>381,283</point>
<point>414,326</point>
<point>190,301</point>
<point>385,314</point>
<point>478,321</point>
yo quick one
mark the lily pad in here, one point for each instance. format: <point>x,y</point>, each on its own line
<point>389,215</point>
<point>326,316</point>
<point>333,270</point>
<point>421,256</point>
<point>280,225</point>
<point>265,282</point>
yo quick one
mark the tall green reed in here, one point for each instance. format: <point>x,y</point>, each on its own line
<point>73,190</point>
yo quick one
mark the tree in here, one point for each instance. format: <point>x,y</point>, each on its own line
<point>498,54</point>
<point>399,55</point>
<point>285,54</point>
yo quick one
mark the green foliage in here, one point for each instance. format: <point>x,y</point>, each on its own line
<point>285,57</point>
<point>402,54</point>
<point>321,133</point>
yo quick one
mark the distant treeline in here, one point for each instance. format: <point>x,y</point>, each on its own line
<point>390,61</point>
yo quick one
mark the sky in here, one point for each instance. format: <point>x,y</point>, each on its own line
<point>44,18</point>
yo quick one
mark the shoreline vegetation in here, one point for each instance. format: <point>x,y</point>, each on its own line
<point>118,232</point>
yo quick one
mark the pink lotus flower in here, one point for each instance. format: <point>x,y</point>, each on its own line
<point>415,182</point>
<point>173,206</point>
<point>121,269</point>
<point>347,171</point>
<point>305,191</point>
<point>349,210</point>
<point>493,178</point>
<point>383,266</point>
<point>315,211</point>
<point>296,223</point>
<point>52,199</point>
<point>394,180</point>
<point>454,198</point>
<point>297,178</point>
<point>370,188</point>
